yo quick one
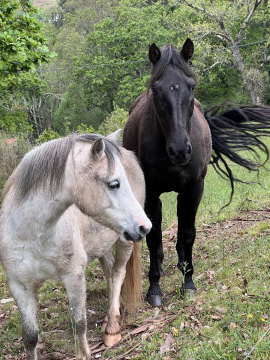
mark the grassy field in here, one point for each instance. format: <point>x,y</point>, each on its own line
<point>227,319</point>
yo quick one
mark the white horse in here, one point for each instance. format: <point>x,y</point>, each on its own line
<point>67,203</point>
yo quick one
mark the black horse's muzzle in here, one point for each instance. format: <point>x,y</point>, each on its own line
<point>179,156</point>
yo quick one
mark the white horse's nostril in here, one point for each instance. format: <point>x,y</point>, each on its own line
<point>144,230</point>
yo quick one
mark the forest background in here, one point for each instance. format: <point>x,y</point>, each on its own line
<point>77,65</point>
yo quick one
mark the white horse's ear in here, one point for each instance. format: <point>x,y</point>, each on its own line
<point>98,149</point>
<point>115,135</point>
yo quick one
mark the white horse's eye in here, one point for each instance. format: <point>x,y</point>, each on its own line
<point>115,184</point>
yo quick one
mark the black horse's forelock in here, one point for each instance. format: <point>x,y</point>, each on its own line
<point>170,56</point>
<point>45,166</point>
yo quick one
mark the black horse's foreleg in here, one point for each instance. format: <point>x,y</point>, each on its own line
<point>153,210</point>
<point>187,205</point>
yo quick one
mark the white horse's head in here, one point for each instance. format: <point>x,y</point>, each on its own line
<point>101,189</point>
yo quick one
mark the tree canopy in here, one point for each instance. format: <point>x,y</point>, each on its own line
<point>22,49</point>
<point>22,43</point>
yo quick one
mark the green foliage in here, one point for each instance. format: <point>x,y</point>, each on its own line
<point>22,48</point>
<point>118,63</point>
<point>47,135</point>
<point>73,110</point>
<point>231,40</point>
<point>14,120</point>
<point>102,60</point>
<point>21,43</point>
<point>116,120</point>
<point>84,129</point>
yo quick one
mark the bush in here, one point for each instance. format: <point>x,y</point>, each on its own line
<point>85,129</point>
<point>14,120</point>
<point>47,135</point>
<point>116,120</point>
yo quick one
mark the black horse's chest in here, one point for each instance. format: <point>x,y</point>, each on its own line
<point>165,176</point>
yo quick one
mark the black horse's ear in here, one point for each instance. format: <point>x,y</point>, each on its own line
<point>187,49</point>
<point>154,53</point>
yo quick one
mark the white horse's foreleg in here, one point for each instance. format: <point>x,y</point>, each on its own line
<point>25,297</point>
<point>115,280</point>
<point>107,263</point>
<point>76,290</point>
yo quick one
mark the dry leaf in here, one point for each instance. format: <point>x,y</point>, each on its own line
<point>167,344</point>
<point>182,325</point>
<point>54,315</point>
<point>210,274</point>
<point>5,301</point>
<point>145,335</point>
<point>221,310</point>
<point>232,325</point>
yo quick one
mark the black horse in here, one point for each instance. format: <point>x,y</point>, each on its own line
<point>175,142</point>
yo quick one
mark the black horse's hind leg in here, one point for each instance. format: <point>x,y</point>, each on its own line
<point>187,205</point>
<point>153,210</point>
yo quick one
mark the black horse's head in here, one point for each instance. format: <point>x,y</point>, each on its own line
<point>172,84</point>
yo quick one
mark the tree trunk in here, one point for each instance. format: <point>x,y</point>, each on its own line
<point>248,83</point>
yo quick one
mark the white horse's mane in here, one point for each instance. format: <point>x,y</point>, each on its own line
<point>44,166</point>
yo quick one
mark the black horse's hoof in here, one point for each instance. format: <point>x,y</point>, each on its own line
<point>154,300</point>
<point>188,293</point>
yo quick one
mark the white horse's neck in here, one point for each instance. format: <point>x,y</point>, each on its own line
<point>38,216</point>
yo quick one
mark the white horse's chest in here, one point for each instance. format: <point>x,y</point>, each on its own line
<point>34,260</point>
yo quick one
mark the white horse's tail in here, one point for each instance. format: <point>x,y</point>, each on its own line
<point>132,286</point>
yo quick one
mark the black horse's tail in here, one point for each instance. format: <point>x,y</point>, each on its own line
<point>234,130</point>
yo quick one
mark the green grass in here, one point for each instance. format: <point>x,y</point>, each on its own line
<point>227,317</point>
<point>217,193</point>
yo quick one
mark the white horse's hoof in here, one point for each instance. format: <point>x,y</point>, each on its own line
<point>110,340</point>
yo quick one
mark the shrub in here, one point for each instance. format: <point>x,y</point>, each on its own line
<point>47,135</point>
<point>116,120</point>
<point>85,129</point>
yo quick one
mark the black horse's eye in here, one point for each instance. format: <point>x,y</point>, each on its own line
<point>154,91</point>
<point>115,184</point>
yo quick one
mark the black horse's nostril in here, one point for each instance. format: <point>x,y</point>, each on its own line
<point>143,230</point>
<point>171,151</point>
<point>189,149</point>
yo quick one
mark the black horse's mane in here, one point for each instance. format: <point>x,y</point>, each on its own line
<point>170,56</point>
